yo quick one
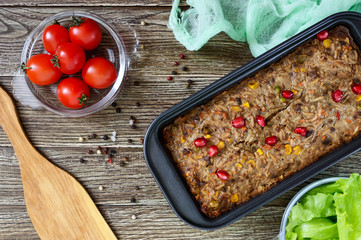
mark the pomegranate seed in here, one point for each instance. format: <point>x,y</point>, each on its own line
<point>337,95</point>
<point>301,130</point>
<point>322,35</point>
<point>338,115</point>
<point>272,140</point>
<point>238,122</point>
<point>356,88</point>
<point>287,94</point>
<point>200,142</point>
<point>260,121</point>
<point>213,150</point>
<point>223,175</point>
<point>181,56</point>
<point>176,63</point>
<point>170,78</point>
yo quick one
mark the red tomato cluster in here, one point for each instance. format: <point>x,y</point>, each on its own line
<point>66,56</point>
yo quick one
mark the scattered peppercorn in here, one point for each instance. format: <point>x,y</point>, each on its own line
<point>93,136</point>
<point>99,148</point>
<point>81,139</point>
<point>142,23</point>
<point>137,187</point>
<point>99,152</point>
<point>133,127</point>
<point>133,200</point>
<point>125,159</point>
<point>239,101</point>
<point>176,63</point>
<point>141,140</point>
<point>110,156</point>
<point>130,140</point>
<point>90,151</point>
<point>101,188</point>
<point>136,83</point>
<point>181,56</point>
<point>105,150</point>
<point>114,104</point>
<point>142,47</point>
<point>122,163</point>
<point>113,151</point>
<point>189,83</point>
<point>137,104</point>
<point>105,137</point>
<point>82,160</point>
<point>134,217</point>
<point>174,72</point>
<point>170,78</point>
<point>118,110</point>
<point>184,68</point>
<point>109,160</point>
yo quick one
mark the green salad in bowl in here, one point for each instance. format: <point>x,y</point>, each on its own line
<point>327,209</point>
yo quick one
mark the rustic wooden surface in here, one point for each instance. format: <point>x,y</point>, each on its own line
<point>57,138</point>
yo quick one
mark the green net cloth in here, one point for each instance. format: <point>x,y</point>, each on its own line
<point>261,23</point>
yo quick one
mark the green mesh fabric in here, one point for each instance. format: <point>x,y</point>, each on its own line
<point>261,23</point>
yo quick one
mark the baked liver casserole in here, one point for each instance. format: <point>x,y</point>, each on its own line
<point>271,125</point>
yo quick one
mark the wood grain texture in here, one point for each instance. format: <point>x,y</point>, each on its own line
<point>57,138</point>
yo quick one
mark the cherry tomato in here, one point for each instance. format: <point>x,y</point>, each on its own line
<point>99,73</point>
<point>86,33</point>
<point>41,71</point>
<point>73,92</point>
<point>53,36</point>
<point>69,57</point>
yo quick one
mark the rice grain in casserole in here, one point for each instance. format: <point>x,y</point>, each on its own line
<point>313,72</point>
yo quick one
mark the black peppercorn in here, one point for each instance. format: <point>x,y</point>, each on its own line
<point>130,140</point>
<point>136,83</point>
<point>113,151</point>
<point>184,68</point>
<point>82,160</point>
<point>174,72</point>
<point>133,200</point>
<point>118,110</point>
<point>114,104</point>
<point>105,137</point>
<point>137,104</point>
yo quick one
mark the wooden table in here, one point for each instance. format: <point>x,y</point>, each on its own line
<point>57,138</point>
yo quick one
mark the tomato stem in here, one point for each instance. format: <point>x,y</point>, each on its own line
<point>55,61</point>
<point>83,99</point>
<point>55,22</point>
<point>76,21</point>
<point>24,67</point>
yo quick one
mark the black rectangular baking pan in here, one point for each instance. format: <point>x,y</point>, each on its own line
<point>171,182</point>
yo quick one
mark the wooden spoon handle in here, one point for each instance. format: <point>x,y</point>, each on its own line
<point>9,121</point>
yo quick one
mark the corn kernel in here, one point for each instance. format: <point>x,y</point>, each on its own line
<point>253,85</point>
<point>303,70</point>
<point>207,136</point>
<point>259,151</point>
<point>234,198</point>
<point>220,145</point>
<point>326,43</point>
<point>213,204</point>
<point>183,140</point>
<point>235,108</point>
<point>229,140</point>
<point>296,150</point>
<point>358,98</point>
<point>199,156</point>
<point>251,162</point>
<point>288,149</point>
<point>217,192</point>
<point>239,165</point>
<point>294,91</point>
<point>243,159</point>
<point>246,104</point>
<point>296,70</point>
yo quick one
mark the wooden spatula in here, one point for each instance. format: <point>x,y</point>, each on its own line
<point>58,206</point>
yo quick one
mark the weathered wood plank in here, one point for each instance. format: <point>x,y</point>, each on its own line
<point>57,138</point>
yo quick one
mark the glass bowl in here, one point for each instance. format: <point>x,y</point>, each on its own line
<point>296,198</point>
<point>111,47</point>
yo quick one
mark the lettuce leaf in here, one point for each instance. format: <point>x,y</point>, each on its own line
<point>331,211</point>
<point>317,228</point>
